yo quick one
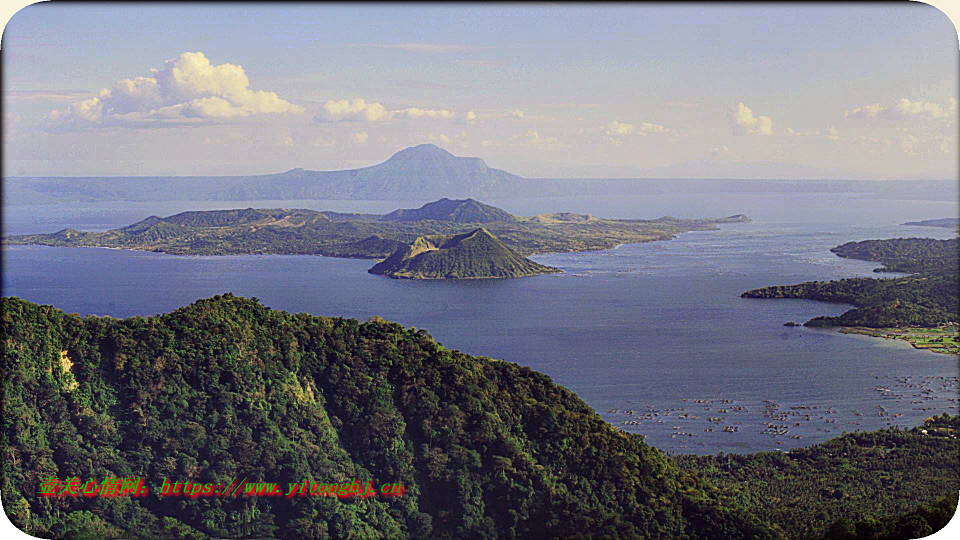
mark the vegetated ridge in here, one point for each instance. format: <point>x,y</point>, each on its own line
<point>226,389</point>
<point>929,298</point>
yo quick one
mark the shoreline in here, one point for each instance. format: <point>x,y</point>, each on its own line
<point>895,335</point>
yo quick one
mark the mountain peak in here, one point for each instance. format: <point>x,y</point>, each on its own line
<point>475,254</point>
<point>459,210</point>
<point>422,151</point>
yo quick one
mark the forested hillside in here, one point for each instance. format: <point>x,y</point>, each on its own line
<point>927,299</point>
<point>910,255</point>
<point>847,479</point>
<point>226,388</point>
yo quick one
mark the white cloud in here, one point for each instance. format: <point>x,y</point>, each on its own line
<point>618,128</point>
<point>430,113</point>
<point>904,108</point>
<point>647,127</point>
<point>745,123</point>
<point>790,132</point>
<point>359,109</point>
<point>188,86</point>
<point>865,111</point>
<point>361,137</point>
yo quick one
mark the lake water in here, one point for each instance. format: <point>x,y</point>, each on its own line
<point>653,336</point>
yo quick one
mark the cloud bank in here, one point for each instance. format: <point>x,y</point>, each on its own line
<point>359,110</point>
<point>904,108</point>
<point>188,87</point>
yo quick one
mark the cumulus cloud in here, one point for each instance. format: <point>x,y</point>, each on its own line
<point>647,127</point>
<point>618,128</point>
<point>361,137</point>
<point>358,109</point>
<point>745,123</point>
<point>430,113</point>
<point>865,111</point>
<point>474,116</point>
<point>904,108</point>
<point>790,132</point>
<point>188,87</point>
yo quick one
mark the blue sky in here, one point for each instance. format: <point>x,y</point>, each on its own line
<point>856,90</point>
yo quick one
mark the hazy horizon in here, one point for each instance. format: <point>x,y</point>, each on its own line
<point>867,91</point>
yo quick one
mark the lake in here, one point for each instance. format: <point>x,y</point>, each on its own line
<point>653,336</point>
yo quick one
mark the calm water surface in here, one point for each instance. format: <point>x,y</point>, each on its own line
<point>653,336</point>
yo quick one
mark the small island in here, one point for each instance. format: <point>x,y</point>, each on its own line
<point>473,255</point>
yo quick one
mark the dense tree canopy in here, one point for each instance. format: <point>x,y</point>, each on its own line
<point>226,388</point>
<point>927,299</point>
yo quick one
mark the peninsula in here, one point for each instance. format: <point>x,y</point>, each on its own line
<point>894,307</point>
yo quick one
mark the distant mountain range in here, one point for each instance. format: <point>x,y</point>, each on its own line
<point>427,172</point>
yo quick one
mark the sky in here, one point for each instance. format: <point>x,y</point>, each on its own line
<point>829,90</point>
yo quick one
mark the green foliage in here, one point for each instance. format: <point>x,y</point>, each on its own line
<point>226,388</point>
<point>928,299</point>
<point>909,255</point>
<point>820,490</point>
<point>920,523</point>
